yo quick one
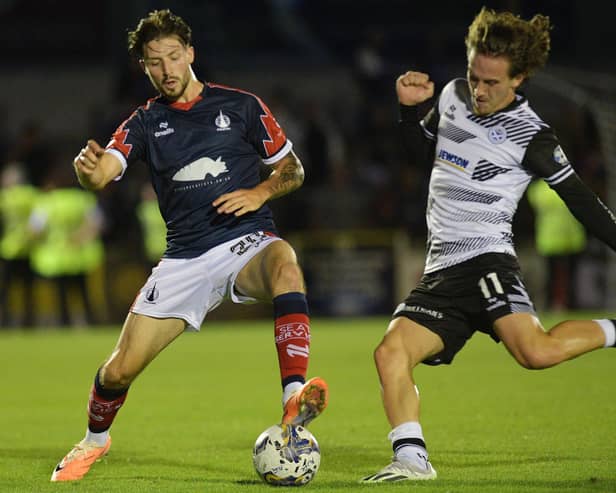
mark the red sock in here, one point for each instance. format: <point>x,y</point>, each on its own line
<point>292,335</point>
<point>103,406</point>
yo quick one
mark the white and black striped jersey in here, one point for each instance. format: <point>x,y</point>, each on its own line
<point>481,167</point>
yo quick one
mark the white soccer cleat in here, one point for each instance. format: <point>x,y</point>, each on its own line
<point>400,470</point>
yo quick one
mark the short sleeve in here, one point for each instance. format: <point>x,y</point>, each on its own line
<point>128,141</point>
<point>264,133</point>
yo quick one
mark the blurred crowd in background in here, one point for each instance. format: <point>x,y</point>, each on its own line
<point>341,119</point>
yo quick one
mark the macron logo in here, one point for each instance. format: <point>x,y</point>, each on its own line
<point>199,169</point>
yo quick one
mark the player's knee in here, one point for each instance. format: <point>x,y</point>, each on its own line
<point>535,358</point>
<point>382,357</point>
<point>117,376</point>
<point>289,277</point>
<point>389,357</point>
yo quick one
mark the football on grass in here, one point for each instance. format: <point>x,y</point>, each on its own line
<point>286,455</point>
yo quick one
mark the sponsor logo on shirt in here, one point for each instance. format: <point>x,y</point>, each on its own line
<point>451,158</point>
<point>199,169</point>
<point>166,130</point>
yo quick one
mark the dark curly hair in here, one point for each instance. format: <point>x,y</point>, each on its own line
<point>525,43</point>
<point>158,23</point>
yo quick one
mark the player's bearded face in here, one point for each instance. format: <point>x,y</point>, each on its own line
<point>491,87</point>
<point>166,62</point>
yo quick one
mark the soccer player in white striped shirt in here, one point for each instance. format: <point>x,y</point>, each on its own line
<point>485,145</point>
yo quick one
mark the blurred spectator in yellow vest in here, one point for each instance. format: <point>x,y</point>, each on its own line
<point>16,200</point>
<point>67,223</point>
<point>153,227</point>
<point>560,238</point>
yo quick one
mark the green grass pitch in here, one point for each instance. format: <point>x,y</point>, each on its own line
<point>191,419</point>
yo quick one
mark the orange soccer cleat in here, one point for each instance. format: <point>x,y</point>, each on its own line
<point>78,461</point>
<point>307,403</point>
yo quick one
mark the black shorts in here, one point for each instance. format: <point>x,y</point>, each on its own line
<point>459,300</point>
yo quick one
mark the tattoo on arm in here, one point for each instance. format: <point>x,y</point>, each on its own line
<point>287,176</point>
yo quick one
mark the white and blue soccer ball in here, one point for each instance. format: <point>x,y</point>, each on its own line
<point>286,455</point>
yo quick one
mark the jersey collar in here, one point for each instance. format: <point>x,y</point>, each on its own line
<point>187,105</point>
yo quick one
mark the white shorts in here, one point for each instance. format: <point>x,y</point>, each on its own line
<point>190,288</point>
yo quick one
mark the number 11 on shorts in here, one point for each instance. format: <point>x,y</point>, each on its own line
<point>496,285</point>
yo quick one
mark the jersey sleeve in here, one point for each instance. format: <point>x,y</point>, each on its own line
<point>546,159</point>
<point>430,121</point>
<point>128,143</point>
<point>264,132</point>
<point>418,136</point>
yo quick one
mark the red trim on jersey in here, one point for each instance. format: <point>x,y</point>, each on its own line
<point>118,138</point>
<point>276,135</point>
<point>186,106</point>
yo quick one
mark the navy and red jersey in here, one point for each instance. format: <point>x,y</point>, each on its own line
<point>198,151</point>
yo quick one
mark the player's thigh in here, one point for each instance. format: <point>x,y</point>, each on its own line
<point>410,341</point>
<point>141,340</point>
<point>521,333</point>
<point>271,272</point>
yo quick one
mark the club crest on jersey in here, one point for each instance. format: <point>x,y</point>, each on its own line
<point>165,129</point>
<point>497,135</point>
<point>223,122</point>
<point>560,156</point>
<point>199,169</point>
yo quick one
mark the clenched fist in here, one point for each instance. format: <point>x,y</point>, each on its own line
<point>414,88</point>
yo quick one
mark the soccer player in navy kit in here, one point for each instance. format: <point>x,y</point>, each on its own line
<point>203,144</point>
<point>485,144</point>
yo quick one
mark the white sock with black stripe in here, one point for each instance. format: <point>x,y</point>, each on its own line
<point>408,443</point>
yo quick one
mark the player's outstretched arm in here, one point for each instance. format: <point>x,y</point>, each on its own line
<point>287,175</point>
<point>588,208</point>
<point>414,88</point>
<point>95,168</point>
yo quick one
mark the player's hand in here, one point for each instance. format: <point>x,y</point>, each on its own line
<point>414,88</point>
<point>239,202</point>
<point>87,160</point>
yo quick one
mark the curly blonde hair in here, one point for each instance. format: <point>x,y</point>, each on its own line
<point>525,43</point>
<point>159,23</point>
